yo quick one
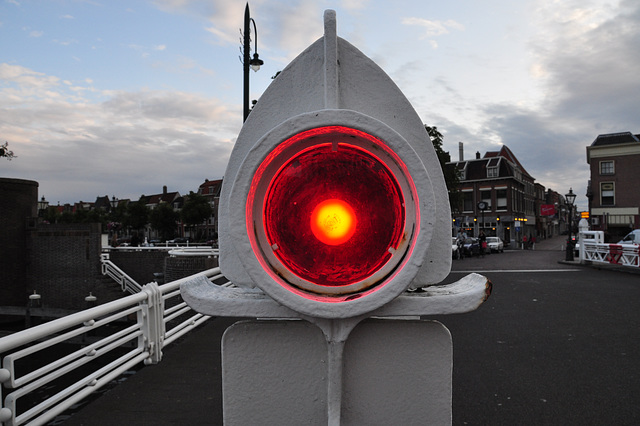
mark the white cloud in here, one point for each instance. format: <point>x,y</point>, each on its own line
<point>127,145</point>
<point>434,28</point>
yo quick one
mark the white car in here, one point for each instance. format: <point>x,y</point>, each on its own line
<point>495,244</point>
<point>455,250</point>
<point>632,237</point>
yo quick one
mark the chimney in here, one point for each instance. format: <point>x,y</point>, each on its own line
<point>164,190</point>
<point>477,155</point>
<point>460,151</point>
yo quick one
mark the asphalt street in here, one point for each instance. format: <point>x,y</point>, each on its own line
<point>554,344</point>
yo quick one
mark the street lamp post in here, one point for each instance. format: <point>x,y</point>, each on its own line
<point>42,206</point>
<point>570,197</point>
<point>247,62</point>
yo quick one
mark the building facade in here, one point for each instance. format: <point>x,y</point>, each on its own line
<point>498,196</point>
<point>614,198</point>
<point>210,189</point>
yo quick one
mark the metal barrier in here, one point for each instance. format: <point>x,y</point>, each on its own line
<point>129,284</point>
<point>593,249</point>
<point>110,269</point>
<point>99,344</point>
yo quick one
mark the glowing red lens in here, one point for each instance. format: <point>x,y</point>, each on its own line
<point>334,214</point>
<point>333,222</point>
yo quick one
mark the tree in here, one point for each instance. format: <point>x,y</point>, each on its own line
<point>6,152</point>
<point>137,215</point>
<point>450,175</point>
<point>163,218</point>
<point>196,209</point>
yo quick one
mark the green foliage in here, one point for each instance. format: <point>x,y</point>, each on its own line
<point>6,152</point>
<point>450,176</point>
<point>163,218</point>
<point>137,215</point>
<point>196,209</point>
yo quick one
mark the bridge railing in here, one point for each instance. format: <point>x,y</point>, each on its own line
<point>594,249</point>
<point>118,275</point>
<point>130,285</point>
<point>50,367</point>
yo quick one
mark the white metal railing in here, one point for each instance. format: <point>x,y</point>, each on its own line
<point>163,247</point>
<point>594,249</point>
<point>129,284</point>
<point>110,269</point>
<point>99,344</point>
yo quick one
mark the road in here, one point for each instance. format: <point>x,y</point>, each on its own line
<point>554,344</point>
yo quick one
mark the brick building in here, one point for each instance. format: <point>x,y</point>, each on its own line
<point>498,182</point>
<point>614,198</point>
<point>210,189</point>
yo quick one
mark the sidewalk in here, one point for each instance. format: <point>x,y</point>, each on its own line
<point>557,243</point>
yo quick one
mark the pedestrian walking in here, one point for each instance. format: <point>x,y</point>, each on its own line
<point>482,239</point>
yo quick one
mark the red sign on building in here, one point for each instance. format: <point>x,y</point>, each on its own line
<point>547,210</point>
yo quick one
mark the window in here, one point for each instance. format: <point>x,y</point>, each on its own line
<point>485,195</point>
<point>607,194</point>
<point>501,199</point>
<point>462,170</point>
<point>492,172</point>
<point>606,167</point>
<point>467,199</point>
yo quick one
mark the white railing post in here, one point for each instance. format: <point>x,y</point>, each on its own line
<point>153,326</point>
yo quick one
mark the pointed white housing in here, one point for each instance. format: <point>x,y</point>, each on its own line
<point>332,83</point>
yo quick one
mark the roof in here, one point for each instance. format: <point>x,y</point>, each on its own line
<point>476,169</point>
<point>509,155</point>
<point>615,139</point>
<point>210,187</point>
<point>164,197</point>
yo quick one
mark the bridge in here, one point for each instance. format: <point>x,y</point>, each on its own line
<point>556,343</point>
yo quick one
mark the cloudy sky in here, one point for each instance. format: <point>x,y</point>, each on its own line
<point>111,97</point>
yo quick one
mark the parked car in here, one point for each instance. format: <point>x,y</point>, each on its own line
<point>495,244</point>
<point>632,237</point>
<point>179,240</point>
<point>455,250</point>
<point>471,247</point>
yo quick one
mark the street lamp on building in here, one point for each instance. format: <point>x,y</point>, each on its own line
<point>247,61</point>
<point>570,197</point>
<point>42,206</point>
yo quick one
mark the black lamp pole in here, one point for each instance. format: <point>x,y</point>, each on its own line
<point>247,62</point>
<point>571,197</point>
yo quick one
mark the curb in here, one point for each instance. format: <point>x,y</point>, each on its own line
<point>603,266</point>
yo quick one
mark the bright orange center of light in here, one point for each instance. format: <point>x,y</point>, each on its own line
<point>333,222</point>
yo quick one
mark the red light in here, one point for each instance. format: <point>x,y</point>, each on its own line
<point>369,197</point>
<point>333,222</point>
<point>331,214</point>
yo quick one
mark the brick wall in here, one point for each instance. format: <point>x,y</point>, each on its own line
<point>18,208</point>
<point>64,265</point>
<point>182,266</point>
<point>139,264</point>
